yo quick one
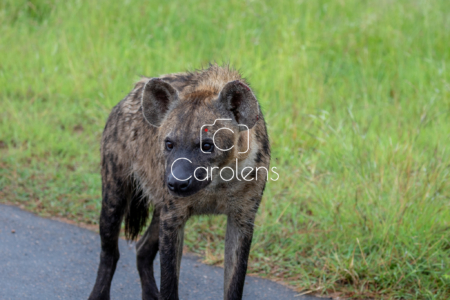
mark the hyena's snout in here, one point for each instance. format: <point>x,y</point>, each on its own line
<point>184,178</point>
<point>179,181</point>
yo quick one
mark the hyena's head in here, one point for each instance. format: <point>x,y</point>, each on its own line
<point>200,132</point>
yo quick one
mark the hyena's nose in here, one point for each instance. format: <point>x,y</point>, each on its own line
<point>178,186</point>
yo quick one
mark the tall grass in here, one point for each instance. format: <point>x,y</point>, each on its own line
<point>356,95</point>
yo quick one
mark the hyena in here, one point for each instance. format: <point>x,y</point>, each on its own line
<point>173,144</point>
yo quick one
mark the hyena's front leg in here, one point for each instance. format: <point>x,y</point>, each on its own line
<point>147,248</point>
<point>114,202</point>
<point>171,234</point>
<point>238,240</point>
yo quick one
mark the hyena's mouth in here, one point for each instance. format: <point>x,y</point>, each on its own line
<point>187,187</point>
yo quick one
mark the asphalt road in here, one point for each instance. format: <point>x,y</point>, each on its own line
<point>47,259</point>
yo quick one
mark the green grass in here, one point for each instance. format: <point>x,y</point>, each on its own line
<point>357,99</point>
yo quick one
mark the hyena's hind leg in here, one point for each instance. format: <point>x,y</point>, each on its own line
<point>115,197</point>
<point>147,248</point>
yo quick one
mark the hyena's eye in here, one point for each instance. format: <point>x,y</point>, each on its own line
<point>169,145</point>
<point>207,147</point>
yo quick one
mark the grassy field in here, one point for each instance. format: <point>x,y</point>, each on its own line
<point>357,98</point>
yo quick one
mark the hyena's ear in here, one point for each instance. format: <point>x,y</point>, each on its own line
<point>158,98</point>
<point>239,99</point>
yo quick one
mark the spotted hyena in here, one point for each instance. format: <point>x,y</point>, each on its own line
<point>183,144</point>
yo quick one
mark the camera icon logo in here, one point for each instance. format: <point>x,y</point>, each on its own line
<point>204,128</point>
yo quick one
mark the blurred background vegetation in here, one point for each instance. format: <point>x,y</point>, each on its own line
<point>356,95</point>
